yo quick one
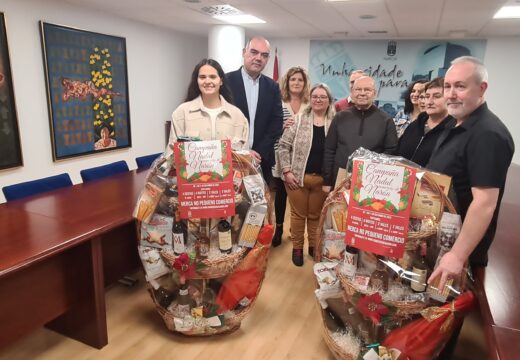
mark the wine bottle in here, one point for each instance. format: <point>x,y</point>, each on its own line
<point>379,278</point>
<point>350,261</point>
<point>420,270</point>
<point>163,297</point>
<point>179,234</point>
<point>184,302</point>
<point>224,236</point>
<point>202,244</point>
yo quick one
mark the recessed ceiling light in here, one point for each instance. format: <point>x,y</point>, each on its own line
<point>508,12</point>
<point>239,19</point>
<point>367,17</point>
<point>377,31</point>
<point>457,34</point>
<point>192,1</point>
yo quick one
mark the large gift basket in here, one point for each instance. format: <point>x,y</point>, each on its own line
<point>384,229</point>
<point>205,229</point>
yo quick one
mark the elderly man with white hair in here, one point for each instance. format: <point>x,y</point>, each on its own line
<point>363,124</point>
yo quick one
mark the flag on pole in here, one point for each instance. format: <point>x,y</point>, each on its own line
<point>275,66</point>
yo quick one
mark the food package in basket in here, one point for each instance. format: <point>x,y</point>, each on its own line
<point>205,229</point>
<point>384,229</point>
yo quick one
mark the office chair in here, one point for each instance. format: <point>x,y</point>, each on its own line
<point>144,162</point>
<point>28,188</point>
<point>103,171</point>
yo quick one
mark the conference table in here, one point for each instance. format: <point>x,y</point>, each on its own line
<point>498,285</point>
<point>58,252</point>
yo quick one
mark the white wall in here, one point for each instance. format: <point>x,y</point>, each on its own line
<point>159,66</point>
<point>502,59</point>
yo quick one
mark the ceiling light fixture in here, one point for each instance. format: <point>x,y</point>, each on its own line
<point>508,12</point>
<point>377,31</point>
<point>367,17</point>
<point>239,19</point>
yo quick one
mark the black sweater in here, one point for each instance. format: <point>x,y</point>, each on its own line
<point>350,129</point>
<point>417,146</point>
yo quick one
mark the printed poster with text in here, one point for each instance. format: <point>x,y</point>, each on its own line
<point>205,179</point>
<point>379,208</point>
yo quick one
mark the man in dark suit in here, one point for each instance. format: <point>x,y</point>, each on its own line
<point>258,96</point>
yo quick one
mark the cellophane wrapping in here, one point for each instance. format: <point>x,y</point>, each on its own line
<point>221,286</point>
<point>381,307</point>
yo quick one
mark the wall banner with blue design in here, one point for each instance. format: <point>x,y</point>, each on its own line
<point>393,64</point>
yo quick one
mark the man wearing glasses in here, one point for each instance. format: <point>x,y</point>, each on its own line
<point>258,96</point>
<point>362,125</point>
<point>345,103</point>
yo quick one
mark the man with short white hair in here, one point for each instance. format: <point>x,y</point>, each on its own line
<point>362,125</point>
<point>344,104</point>
<point>476,152</point>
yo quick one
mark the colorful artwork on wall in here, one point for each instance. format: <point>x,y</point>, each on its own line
<point>87,90</point>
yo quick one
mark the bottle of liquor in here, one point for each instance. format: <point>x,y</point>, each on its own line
<point>333,321</point>
<point>379,278</point>
<point>184,302</point>
<point>202,244</point>
<point>350,261</point>
<point>224,236</point>
<point>179,234</point>
<point>163,297</point>
<point>420,270</point>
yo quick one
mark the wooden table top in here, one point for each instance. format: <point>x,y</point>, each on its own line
<point>502,279</point>
<point>39,226</point>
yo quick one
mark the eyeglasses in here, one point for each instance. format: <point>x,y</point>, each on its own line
<point>321,97</point>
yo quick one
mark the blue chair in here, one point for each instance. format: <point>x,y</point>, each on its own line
<point>144,162</point>
<point>28,188</point>
<point>103,171</point>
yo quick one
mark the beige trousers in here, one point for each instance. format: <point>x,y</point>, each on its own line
<point>306,204</point>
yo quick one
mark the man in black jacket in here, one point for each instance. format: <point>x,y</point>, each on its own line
<point>362,125</point>
<point>258,97</point>
<point>419,138</point>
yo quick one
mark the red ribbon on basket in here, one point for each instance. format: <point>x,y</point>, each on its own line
<point>423,338</point>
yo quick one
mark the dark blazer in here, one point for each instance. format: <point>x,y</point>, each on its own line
<point>268,118</point>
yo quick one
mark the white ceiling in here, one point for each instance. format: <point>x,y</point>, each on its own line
<point>318,19</point>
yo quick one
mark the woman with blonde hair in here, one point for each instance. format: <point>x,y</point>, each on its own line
<point>294,87</point>
<point>301,150</point>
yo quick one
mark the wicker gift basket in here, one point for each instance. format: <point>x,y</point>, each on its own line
<point>381,304</point>
<point>204,274</point>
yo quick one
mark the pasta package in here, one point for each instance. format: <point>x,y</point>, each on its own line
<point>147,202</point>
<point>252,225</point>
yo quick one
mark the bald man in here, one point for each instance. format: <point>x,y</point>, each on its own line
<point>258,96</point>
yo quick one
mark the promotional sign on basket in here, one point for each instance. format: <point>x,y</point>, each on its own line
<point>384,230</point>
<point>378,215</point>
<point>205,179</point>
<point>205,230</point>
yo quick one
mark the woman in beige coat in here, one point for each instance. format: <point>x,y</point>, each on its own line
<point>300,153</point>
<point>207,113</point>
